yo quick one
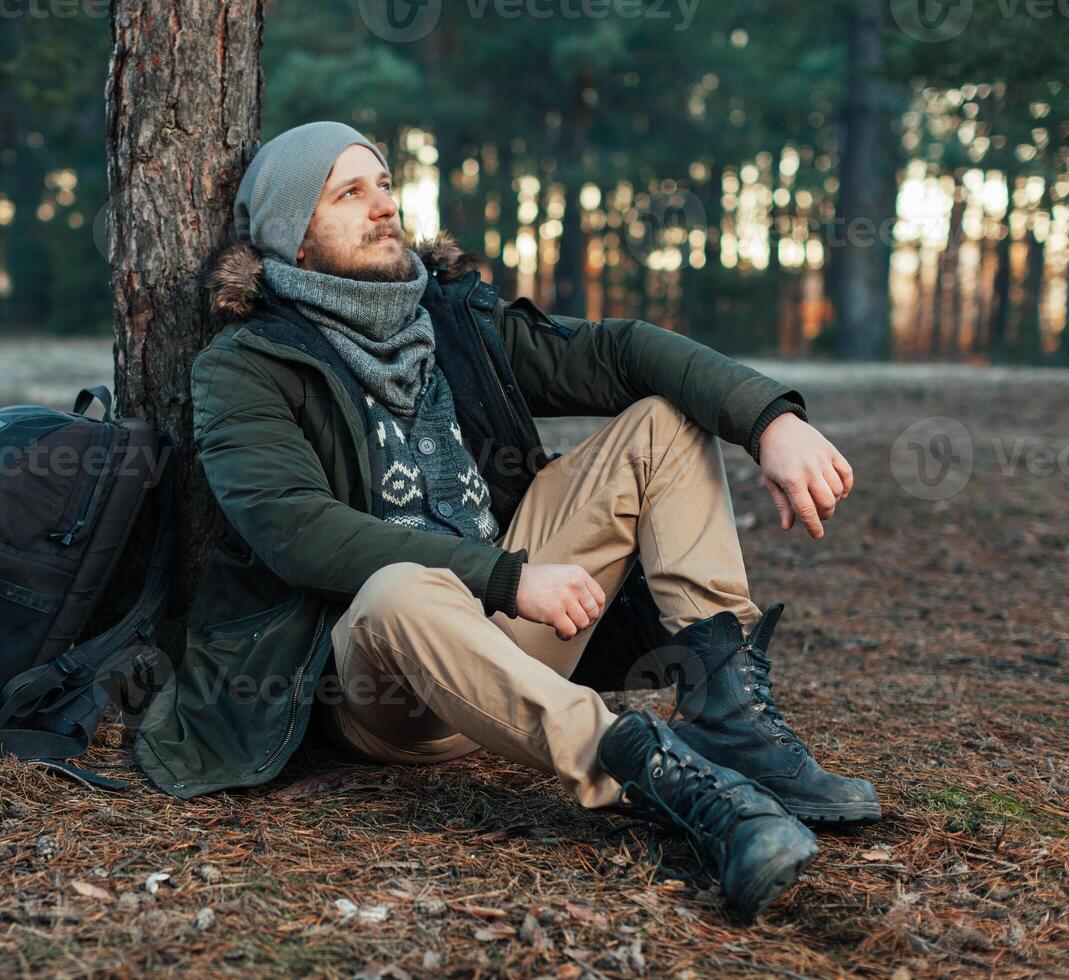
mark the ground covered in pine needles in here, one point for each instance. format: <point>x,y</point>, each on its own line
<point>925,645</point>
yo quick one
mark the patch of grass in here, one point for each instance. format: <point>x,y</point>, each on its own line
<point>968,810</point>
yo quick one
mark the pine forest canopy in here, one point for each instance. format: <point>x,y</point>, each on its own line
<point>692,164</point>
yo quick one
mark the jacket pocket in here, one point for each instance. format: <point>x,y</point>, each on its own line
<point>251,622</point>
<point>536,318</point>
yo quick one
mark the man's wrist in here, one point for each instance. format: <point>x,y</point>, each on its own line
<point>504,583</point>
<point>772,411</point>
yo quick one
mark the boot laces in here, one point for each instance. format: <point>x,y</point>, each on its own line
<point>706,816</point>
<point>761,688</point>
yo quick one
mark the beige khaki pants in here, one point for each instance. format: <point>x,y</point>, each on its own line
<point>429,677</point>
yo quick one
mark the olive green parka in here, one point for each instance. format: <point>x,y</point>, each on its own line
<point>282,444</point>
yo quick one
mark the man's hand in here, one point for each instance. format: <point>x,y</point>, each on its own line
<point>562,596</point>
<point>806,475</point>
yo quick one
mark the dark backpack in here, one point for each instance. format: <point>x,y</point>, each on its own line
<point>71,489</point>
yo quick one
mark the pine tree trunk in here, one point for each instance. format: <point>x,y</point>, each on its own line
<point>570,299</point>
<point>183,96</point>
<point>947,328</point>
<point>508,222</point>
<point>1030,339</point>
<point>450,134</point>
<point>572,137</point>
<point>1002,290</point>
<point>866,199</point>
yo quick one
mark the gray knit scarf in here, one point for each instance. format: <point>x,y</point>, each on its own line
<point>380,330</point>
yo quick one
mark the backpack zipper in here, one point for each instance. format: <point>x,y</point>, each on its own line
<point>297,692</point>
<point>88,491</point>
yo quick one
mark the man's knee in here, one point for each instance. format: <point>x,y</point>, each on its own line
<point>663,420</point>
<point>659,409</point>
<point>678,443</point>
<point>666,425</point>
<point>399,590</point>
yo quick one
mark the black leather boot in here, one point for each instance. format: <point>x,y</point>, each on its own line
<point>729,716</point>
<point>740,833</point>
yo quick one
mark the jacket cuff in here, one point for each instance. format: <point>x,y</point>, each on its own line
<point>773,410</point>
<point>503,583</point>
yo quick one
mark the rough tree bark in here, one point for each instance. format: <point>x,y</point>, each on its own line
<point>183,95</point>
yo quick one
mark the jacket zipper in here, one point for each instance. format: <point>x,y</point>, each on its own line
<point>501,390</point>
<point>297,692</point>
<point>493,371</point>
<point>67,536</point>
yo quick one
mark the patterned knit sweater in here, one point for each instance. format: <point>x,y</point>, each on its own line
<point>423,472</point>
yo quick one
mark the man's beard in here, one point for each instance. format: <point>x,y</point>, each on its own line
<point>401,267</point>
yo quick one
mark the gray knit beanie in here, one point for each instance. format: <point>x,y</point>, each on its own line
<point>280,189</point>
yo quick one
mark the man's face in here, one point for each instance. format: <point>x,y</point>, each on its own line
<point>355,231</point>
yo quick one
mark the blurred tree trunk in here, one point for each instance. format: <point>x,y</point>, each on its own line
<point>982,299</point>
<point>867,193</point>
<point>27,264</point>
<point>1029,342</point>
<point>451,133</point>
<point>778,293</point>
<point>183,96</point>
<point>571,265</point>
<point>789,318</point>
<point>775,219</point>
<point>700,285</point>
<point>508,220</point>
<point>1002,286</point>
<point>947,328</point>
<point>451,215</point>
<point>570,277</point>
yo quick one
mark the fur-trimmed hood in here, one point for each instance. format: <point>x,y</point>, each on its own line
<point>233,283</point>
